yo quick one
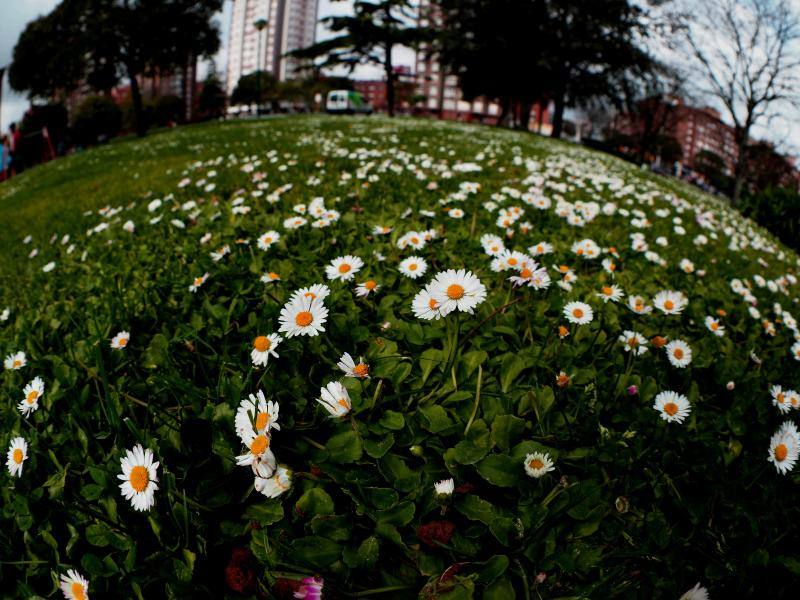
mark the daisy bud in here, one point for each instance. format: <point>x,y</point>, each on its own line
<point>622,504</point>
<point>730,386</point>
<point>562,380</point>
<point>416,450</point>
<point>633,390</point>
<point>659,341</point>
<point>541,576</point>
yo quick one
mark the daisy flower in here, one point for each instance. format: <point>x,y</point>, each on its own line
<point>696,593</point>
<point>120,341</point>
<point>364,289</point>
<point>413,267</point>
<point>425,306</point>
<point>318,291</point>
<point>669,302</point>
<point>358,370</point>
<point>610,293</point>
<point>714,326</point>
<point>74,586</point>
<point>540,249</point>
<point>533,276</point>
<point>256,415</point>
<point>780,398</point>
<point>270,277</point>
<point>795,350</point>
<point>381,230</point>
<point>492,244</point>
<point>17,454</point>
<point>15,361</point>
<point>457,290</point>
<point>445,487</point>
<point>679,353</point>
<point>609,266</point>
<point>784,447</point>
<point>414,239</point>
<point>344,267</point>
<point>33,393</point>
<point>509,260</point>
<point>633,342</point>
<point>538,464</point>
<point>221,253</point>
<point>139,478</point>
<point>294,222</point>
<point>274,486</point>
<point>637,304</point>
<point>579,313</point>
<point>303,316</point>
<point>335,399</point>
<point>264,347</point>
<point>259,455</point>
<point>197,282</point>
<point>310,589</point>
<point>266,240</point>
<point>674,407</point>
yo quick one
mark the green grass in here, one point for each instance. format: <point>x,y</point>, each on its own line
<point>635,506</point>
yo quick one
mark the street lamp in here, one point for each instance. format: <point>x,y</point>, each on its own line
<point>260,24</point>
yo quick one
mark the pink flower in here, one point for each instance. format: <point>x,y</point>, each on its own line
<point>311,589</point>
<point>633,390</point>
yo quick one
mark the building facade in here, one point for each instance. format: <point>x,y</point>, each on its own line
<point>290,25</point>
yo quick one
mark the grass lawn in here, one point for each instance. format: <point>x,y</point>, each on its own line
<point>313,324</point>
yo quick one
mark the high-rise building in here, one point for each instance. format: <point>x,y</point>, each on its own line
<point>291,24</point>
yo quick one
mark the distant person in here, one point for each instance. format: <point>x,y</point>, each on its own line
<point>15,136</point>
<point>5,158</point>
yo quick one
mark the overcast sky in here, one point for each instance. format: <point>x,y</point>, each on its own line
<point>15,14</point>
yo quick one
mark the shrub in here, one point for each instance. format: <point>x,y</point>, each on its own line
<point>168,109</point>
<point>777,209</point>
<point>96,119</point>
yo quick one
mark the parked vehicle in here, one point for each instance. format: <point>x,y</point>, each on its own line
<point>347,102</point>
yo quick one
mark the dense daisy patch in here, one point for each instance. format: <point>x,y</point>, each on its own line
<point>332,357</point>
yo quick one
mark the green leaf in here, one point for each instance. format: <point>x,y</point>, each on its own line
<point>97,535</point>
<point>500,590</point>
<point>435,418</point>
<point>505,430</point>
<point>493,568</point>
<point>475,446</point>
<point>428,361</point>
<point>500,470</point>
<point>402,514</point>
<point>344,447</point>
<point>377,448</point>
<point>265,513</point>
<point>316,551</point>
<point>315,501</point>
<point>397,473</point>
<point>157,353</point>
<point>512,366</point>
<point>368,552</point>
<point>392,420</point>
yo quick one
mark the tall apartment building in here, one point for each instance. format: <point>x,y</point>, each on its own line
<point>291,24</point>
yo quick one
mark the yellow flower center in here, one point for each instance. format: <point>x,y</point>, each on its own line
<point>32,396</point>
<point>17,363</point>
<point>512,261</point>
<point>370,285</point>
<point>262,343</point>
<point>562,331</point>
<point>267,240</point>
<point>415,240</point>
<point>18,456</point>
<point>563,268</point>
<point>123,341</point>
<point>579,252</point>
<point>262,419</point>
<point>525,273</point>
<point>781,451</point>
<point>612,267</point>
<point>455,291</point>
<point>669,304</point>
<point>412,267</point>
<point>274,276</point>
<point>259,445</point>
<point>344,268</point>
<point>77,591</point>
<point>198,280</point>
<point>577,313</point>
<point>139,478</point>
<point>304,318</point>
<point>633,342</point>
<point>344,403</point>
<point>361,369</point>
<point>535,464</point>
<point>607,291</point>
<point>677,353</point>
<point>670,408</point>
<point>714,326</point>
<point>432,304</point>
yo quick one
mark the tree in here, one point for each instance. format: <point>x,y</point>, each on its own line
<point>250,90</point>
<point>767,168</point>
<point>212,98</point>
<point>746,52</point>
<point>367,37</point>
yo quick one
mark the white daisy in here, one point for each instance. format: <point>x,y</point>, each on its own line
<point>538,464</point>
<point>696,593</point>
<point>256,415</point>
<point>713,325</point>
<point>780,398</point>
<point>679,353</point>
<point>304,315</point>
<point>358,370</point>
<point>120,341</point>
<point>610,293</point>
<point>15,361</point>
<point>74,586</point>
<point>197,282</point>
<point>445,487</point>
<point>425,306</point>
<point>669,302</point>
<point>335,399</point>
<point>784,447</point>
<point>413,267</point>
<point>274,486</point>
<point>139,477</point>
<point>318,291</point>
<point>33,392</point>
<point>540,249</point>
<point>265,240</point>
<point>264,347</point>
<point>364,289</point>
<point>270,277</point>
<point>638,305</point>
<point>259,455</point>
<point>220,253</point>
<point>579,313</point>
<point>457,290</point>
<point>674,407</point>
<point>633,342</point>
<point>17,454</point>
<point>344,267</point>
